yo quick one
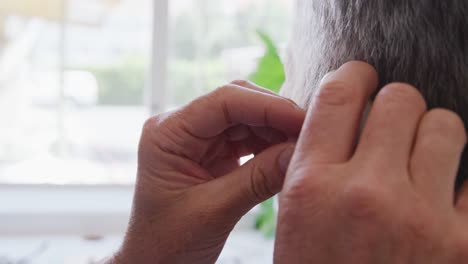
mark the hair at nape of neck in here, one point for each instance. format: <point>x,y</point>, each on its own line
<point>423,43</point>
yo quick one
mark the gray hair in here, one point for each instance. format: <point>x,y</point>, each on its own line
<point>421,42</point>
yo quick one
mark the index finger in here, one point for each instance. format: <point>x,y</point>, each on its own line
<point>232,105</point>
<point>333,121</point>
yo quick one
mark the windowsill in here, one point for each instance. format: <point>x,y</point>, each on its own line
<point>76,210</point>
<point>241,247</point>
<point>27,210</point>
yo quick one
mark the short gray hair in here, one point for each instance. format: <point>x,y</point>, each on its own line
<point>421,42</point>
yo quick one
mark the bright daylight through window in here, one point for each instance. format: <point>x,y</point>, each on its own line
<point>74,75</point>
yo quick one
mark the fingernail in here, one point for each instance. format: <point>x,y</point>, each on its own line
<point>294,104</point>
<point>285,158</point>
<point>327,76</point>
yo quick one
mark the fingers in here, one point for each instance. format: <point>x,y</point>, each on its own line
<point>333,120</point>
<point>232,105</point>
<point>436,156</point>
<point>256,181</point>
<point>243,132</point>
<point>253,86</point>
<point>387,138</point>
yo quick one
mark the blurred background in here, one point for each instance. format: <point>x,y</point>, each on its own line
<point>77,80</point>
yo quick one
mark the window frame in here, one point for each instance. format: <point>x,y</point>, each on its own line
<point>33,210</point>
<point>75,210</point>
<point>98,214</point>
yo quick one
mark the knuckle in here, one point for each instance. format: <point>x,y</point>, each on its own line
<point>150,131</point>
<point>152,123</point>
<point>335,93</point>
<point>444,124</point>
<point>154,126</point>
<point>362,201</point>
<point>296,190</point>
<point>402,94</point>
<point>260,184</point>
<point>303,188</point>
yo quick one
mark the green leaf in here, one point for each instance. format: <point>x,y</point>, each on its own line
<point>266,220</point>
<point>270,71</point>
<point>269,74</point>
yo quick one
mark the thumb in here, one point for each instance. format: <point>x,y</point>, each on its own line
<point>254,182</point>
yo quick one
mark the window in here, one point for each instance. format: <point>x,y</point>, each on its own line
<point>77,80</point>
<point>72,76</point>
<point>75,77</point>
<point>213,42</point>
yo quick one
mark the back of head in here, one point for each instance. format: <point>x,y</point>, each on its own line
<point>421,42</point>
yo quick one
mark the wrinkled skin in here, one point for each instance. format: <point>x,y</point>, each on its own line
<point>385,195</point>
<point>191,190</point>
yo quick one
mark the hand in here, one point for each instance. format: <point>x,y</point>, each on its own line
<point>190,189</point>
<point>385,198</point>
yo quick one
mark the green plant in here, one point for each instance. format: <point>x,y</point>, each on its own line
<point>269,74</point>
<point>266,219</point>
<point>270,70</point>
